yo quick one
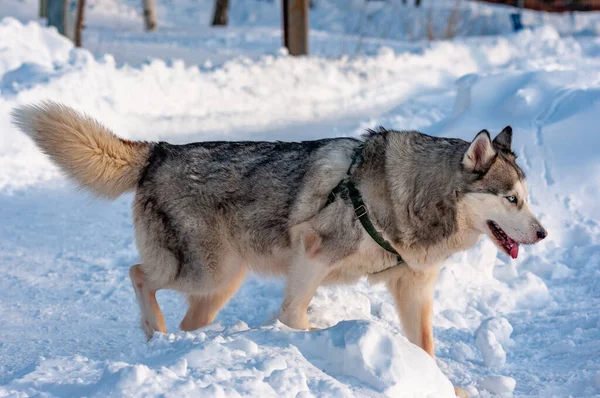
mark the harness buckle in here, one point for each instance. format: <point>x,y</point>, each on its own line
<point>360,211</point>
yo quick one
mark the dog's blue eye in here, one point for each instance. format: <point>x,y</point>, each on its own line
<point>512,199</point>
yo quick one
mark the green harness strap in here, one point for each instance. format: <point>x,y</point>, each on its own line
<point>360,210</point>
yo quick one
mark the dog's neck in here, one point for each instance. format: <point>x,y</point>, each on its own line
<point>424,221</point>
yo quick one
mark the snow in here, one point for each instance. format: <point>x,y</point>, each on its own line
<point>268,361</point>
<point>500,385</point>
<point>499,327</point>
<point>526,327</point>
<point>491,338</point>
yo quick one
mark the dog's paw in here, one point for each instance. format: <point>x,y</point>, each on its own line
<point>150,328</point>
<point>147,329</point>
<point>460,392</point>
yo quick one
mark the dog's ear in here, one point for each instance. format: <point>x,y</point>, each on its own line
<point>504,139</point>
<point>480,155</point>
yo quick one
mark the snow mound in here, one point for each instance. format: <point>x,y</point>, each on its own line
<point>499,327</point>
<point>350,358</point>
<point>30,43</point>
<point>500,385</point>
<point>491,338</point>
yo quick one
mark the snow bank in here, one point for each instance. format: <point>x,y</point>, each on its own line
<point>351,358</point>
<point>24,44</point>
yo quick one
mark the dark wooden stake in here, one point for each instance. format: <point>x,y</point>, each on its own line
<point>149,15</point>
<point>296,26</point>
<point>79,23</point>
<point>220,17</point>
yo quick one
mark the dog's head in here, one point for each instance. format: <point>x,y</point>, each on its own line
<point>497,193</point>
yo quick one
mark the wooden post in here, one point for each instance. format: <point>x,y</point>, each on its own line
<point>149,15</point>
<point>296,26</point>
<point>220,15</point>
<point>79,22</point>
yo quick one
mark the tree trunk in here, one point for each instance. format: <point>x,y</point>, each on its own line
<point>286,24</point>
<point>296,30</point>
<point>79,22</point>
<point>149,15</point>
<point>220,17</point>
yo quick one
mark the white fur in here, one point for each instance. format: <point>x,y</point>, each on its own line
<point>519,223</point>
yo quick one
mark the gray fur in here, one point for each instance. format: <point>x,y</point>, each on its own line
<point>206,198</point>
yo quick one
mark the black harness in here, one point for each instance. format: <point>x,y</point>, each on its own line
<point>347,188</point>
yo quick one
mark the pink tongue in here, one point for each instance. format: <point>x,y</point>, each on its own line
<point>514,251</point>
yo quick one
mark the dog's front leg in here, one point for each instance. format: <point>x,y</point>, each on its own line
<point>413,294</point>
<point>306,273</point>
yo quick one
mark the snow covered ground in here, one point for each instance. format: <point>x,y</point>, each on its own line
<point>530,327</point>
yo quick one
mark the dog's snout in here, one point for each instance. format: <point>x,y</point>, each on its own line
<point>542,233</point>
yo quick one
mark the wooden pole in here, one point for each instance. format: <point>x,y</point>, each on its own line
<point>297,32</point>
<point>79,22</point>
<point>220,15</point>
<point>149,14</point>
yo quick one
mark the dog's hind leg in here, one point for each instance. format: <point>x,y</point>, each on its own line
<point>305,275</point>
<point>413,294</point>
<point>152,317</point>
<point>204,308</point>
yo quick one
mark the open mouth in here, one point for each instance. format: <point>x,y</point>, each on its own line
<point>509,246</point>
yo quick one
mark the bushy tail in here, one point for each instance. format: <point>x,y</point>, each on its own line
<point>87,152</point>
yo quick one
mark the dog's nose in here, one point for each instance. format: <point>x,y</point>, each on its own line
<point>541,234</point>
